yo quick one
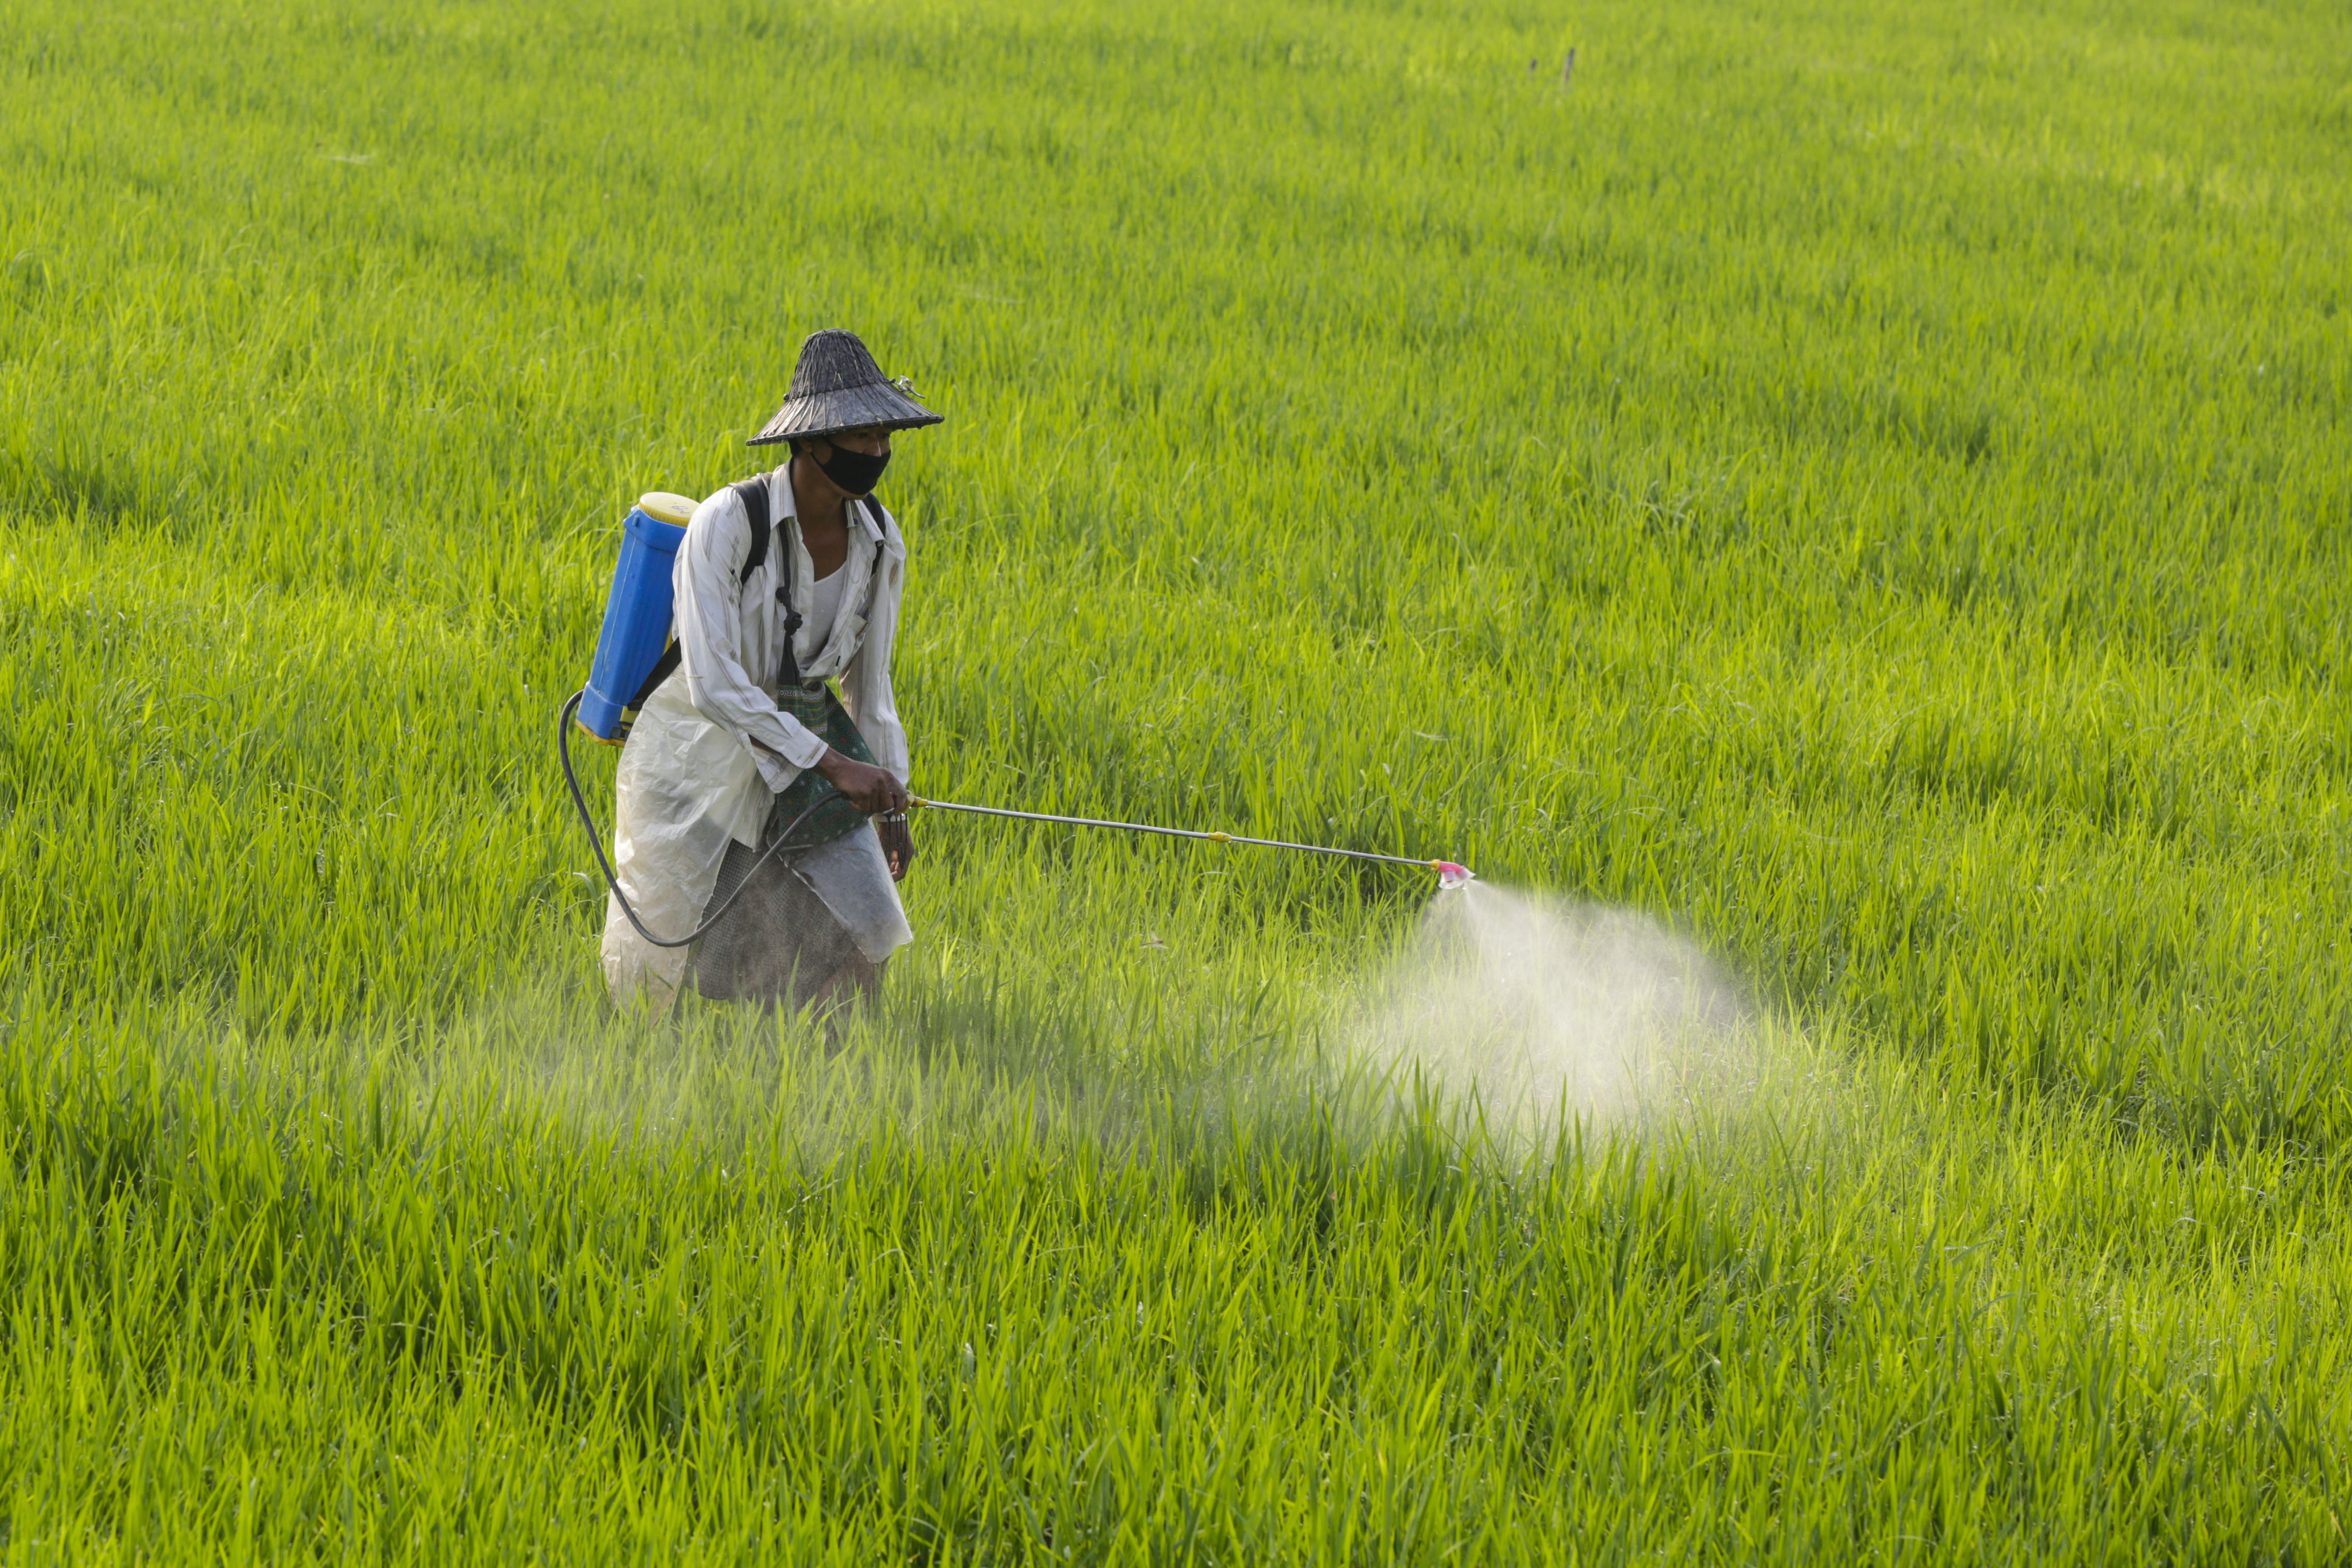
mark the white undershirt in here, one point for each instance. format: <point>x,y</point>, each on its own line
<point>824,606</point>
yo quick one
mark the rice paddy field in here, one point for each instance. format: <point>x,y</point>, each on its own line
<point>1861,491</point>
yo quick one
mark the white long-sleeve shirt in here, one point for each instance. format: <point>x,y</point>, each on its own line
<point>731,635</point>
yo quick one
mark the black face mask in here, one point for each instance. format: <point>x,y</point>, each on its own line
<point>856,472</point>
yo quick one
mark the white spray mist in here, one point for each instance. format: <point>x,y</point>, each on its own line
<point>1539,1007</point>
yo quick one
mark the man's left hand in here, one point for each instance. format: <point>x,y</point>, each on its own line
<point>897,846</point>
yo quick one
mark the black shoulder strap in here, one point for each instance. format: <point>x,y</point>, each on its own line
<point>753,494</point>
<point>874,510</point>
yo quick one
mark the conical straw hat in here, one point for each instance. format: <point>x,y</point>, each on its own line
<point>838,386</point>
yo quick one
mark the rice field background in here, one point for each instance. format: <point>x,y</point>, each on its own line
<point>1861,489</point>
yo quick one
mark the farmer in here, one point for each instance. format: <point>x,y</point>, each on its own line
<point>747,741</point>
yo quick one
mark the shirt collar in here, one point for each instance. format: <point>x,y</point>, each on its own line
<point>865,522</point>
<point>780,486</point>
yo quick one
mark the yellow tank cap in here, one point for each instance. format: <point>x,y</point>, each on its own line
<point>664,507</point>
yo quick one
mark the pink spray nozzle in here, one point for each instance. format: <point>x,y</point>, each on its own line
<point>1450,875</point>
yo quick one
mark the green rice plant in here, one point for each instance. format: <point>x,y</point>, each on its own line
<point>1860,489</point>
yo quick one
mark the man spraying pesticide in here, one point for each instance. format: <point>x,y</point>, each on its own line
<point>761,816</point>
<point>762,822</point>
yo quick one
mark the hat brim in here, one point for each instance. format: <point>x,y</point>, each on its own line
<point>881,407</point>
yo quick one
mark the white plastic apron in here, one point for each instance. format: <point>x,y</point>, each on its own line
<point>686,786</point>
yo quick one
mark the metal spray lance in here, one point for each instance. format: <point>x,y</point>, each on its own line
<point>1449,874</point>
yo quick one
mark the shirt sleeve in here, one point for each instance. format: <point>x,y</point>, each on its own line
<point>866,684</point>
<point>708,594</point>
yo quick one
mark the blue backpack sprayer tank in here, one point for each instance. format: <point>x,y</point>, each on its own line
<point>636,617</point>
<point>635,653</point>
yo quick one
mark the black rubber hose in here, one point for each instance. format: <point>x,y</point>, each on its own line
<point>596,839</point>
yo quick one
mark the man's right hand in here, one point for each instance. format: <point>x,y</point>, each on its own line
<point>870,789</point>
